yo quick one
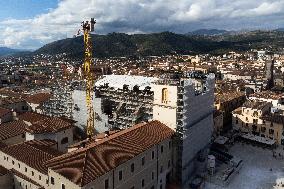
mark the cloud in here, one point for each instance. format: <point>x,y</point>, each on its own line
<point>140,16</point>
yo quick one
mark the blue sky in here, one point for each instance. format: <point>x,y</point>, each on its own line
<point>30,24</point>
<point>23,9</point>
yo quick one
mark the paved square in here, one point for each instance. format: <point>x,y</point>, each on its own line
<point>256,172</point>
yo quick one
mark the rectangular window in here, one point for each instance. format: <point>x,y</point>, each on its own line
<point>153,175</point>
<point>153,154</point>
<point>143,183</point>
<point>120,175</point>
<point>62,186</point>
<point>33,173</point>
<point>170,145</point>
<point>162,149</point>
<point>143,161</point>
<point>132,167</point>
<point>39,177</point>
<point>52,180</point>
<point>26,169</point>
<point>106,184</point>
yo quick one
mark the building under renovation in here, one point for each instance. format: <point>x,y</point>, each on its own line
<point>125,99</point>
<point>186,106</point>
<point>60,102</point>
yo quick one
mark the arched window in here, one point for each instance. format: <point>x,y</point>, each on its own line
<point>64,140</point>
<point>165,95</point>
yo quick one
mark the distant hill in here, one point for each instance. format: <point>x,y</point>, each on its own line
<point>4,51</point>
<point>280,29</point>
<point>208,32</point>
<point>120,44</point>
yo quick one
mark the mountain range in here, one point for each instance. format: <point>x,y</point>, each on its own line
<point>4,51</point>
<point>201,41</point>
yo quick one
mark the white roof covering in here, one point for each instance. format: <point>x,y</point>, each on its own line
<point>117,81</point>
<point>259,139</point>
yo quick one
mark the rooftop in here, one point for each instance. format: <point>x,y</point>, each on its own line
<point>228,96</point>
<point>4,111</point>
<point>117,81</point>
<point>12,129</point>
<point>255,104</point>
<point>268,95</point>
<point>34,153</point>
<point>45,124</point>
<point>38,98</point>
<point>84,165</point>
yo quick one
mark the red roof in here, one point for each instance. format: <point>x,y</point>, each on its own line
<point>4,112</point>
<point>34,153</point>
<point>84,165</point>
<point>45,124</point>
<point>12,129</point>
<point>38,98</point>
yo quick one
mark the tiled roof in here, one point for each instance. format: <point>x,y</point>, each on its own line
<point>255,104</point>
<point>31,117</point>
<point>228,96</point>
<point>86,164</point>
<point>268,95</point>
<point>45,124</point>
<point>4,111</point>
<point>34,153</point>
<point>38,98</point>
<point>12,129</point>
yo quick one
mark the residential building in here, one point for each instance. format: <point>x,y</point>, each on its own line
<point>255,118</point>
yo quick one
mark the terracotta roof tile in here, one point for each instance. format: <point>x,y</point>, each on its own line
<point>38,98</point>
<point>4,112</point>
<point>34,153</point>
<point>12,129</point>
<point>86,164</point>
<point>31,117</point>
<point>45,124</point>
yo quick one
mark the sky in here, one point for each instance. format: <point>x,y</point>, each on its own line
<point>30,24</point>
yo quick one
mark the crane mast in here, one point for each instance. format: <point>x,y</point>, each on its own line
<point>88,27</point>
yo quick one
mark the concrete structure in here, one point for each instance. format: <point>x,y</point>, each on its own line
<point>60,102</point>
<point>187,107</point>
<point>126,100</point>
<point>79,113</point>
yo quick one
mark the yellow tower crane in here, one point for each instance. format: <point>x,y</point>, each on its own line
<point>87,28</point>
